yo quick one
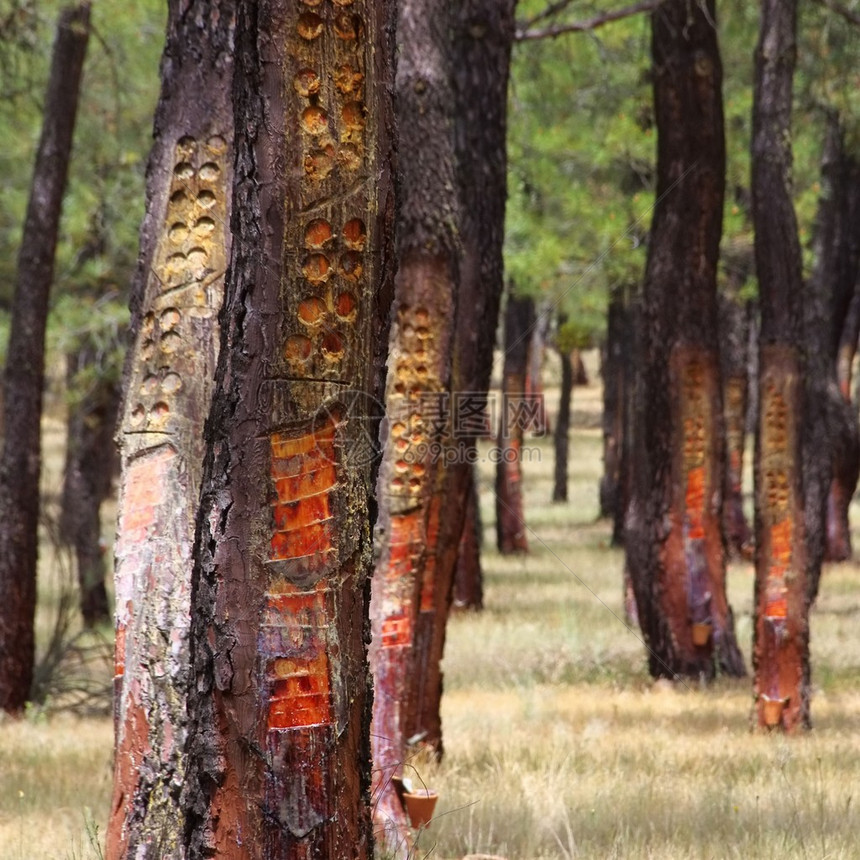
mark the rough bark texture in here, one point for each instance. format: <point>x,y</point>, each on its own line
<point>510,516</point>
<point>781,638</point>
<point>674,544</point>
<point>90,466</point>
<point>416,398</point>
<point>615,382</point>
<point>168,385</point>
<point>468,576</point>
<point>482,33</point>
<point>20,462</point>
<point>561,436</point>
<point>279,751</point>
<point>734,323</point>
<point>833,467</point>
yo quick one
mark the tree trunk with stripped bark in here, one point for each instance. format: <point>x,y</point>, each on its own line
<point>781,636</point>
<point>674,545</point>
<point>279,752</point>
<point>168,385</point>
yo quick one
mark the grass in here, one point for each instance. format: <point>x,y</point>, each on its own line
<point>558,744</point>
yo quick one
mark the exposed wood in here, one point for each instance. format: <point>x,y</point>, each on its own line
<point>169,379</point>
<point>781,637</point>
<point>279,753</point>
<point>674,542</point>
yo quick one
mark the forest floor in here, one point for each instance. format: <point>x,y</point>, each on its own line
<point>557,742</point>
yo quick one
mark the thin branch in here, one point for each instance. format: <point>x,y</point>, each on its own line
<point>548,12</point>
<point>848,14</point>
<point>589,24</point>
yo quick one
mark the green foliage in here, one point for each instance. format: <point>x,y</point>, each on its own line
<point>103,207</point>
<point>580,148</point>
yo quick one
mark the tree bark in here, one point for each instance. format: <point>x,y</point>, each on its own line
<point>834,465</point>
<point>168,383</point>
<point>675,547</point>
<point>510,517</point>
<point>482,40</point>
<point>781,637</point>
<point>88,475</point>
<point>417,398</point>
<point>468,575</point>
<point>562,428</point>
<point>20,462</point>
<point>734,323</point>
<point>279,751</point>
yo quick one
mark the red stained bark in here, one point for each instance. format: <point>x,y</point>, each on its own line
<point>279,749</point>
<point>784,566</point>
<point>673,533</point>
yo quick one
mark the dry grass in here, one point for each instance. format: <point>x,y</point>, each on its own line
<point>558,745</point>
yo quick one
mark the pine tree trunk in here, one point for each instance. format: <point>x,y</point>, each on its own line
<point>482,40</point>
<point>168,385</point>
<point>510,516</point>
<point>279,753</point>
<point>734,321</point>
<point>417,398</point>
<point>675,550</point>
<point>615,382</point>
<point>781,638</point>
<point>20,461</point>
<point>87,478</point>
<point>534,374</point>
<point>562,428</point>
<point>833,333</point>
<point>468,575</point>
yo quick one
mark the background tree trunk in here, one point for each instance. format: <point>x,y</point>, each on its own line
<point>169,378</point>
<point>279,753</point>
<point>734,323</point>
<point>615,383</point>
<point>88,475</point>
<point>468,577</point>
<point>534,374</point>
<point>562,427</point>
<point>510,515</point>
<point>833,466</point>
<point>482,40</point>
<point>675,552</point>
<point>417,398</point>
<point>781,638</point>
<point>20,462</point>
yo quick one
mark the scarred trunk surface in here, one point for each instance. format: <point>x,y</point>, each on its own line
<point>674,543</point>
<point>279,749</point>
<point>781,638</point>
<point>20,462</point>
<point>515,412</point>
<point>417,399</point>
<point>482,40</point>
<point>169,380</point>
<point>734,323</point>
